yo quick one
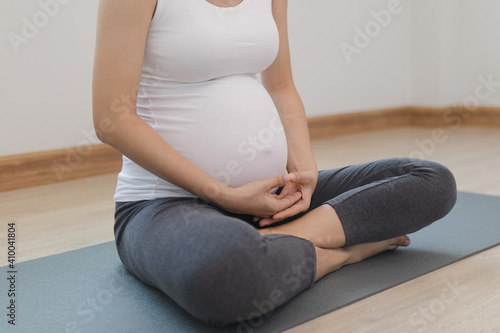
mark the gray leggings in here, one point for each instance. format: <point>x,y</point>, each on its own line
<point>218,267</point>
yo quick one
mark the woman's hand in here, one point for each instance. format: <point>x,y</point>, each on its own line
<point>303,182</point>
<point>255,198</point>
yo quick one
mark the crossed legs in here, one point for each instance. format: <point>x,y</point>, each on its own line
<point>361,210</point>
<point>221,269</point>
<point>324,229</point>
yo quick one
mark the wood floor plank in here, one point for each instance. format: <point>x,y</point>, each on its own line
<point>59,217</point>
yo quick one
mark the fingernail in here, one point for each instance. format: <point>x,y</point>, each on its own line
<point>287,178</point>
<point>292,176</point>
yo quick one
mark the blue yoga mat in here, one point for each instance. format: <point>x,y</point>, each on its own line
<point>89,290</point>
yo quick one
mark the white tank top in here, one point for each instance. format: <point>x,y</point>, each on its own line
<point>200,92</point>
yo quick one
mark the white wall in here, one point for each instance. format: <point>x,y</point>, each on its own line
<point>46,84</point>
<point>376,77</point>
<point>431,53</point>
<point>455,43</point>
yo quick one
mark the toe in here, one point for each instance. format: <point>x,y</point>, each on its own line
<point>399,241</point>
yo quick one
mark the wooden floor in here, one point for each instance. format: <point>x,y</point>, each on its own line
<point>61,217</point>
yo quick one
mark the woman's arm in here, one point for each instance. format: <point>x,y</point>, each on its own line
<point>122,30</point>
<point>278,81</point>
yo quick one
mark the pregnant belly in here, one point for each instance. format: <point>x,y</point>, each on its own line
<point>228,127</point>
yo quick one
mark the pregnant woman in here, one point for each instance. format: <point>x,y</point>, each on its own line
<point>219,203</point>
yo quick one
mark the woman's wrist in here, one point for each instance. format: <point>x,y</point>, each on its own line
<point>303,161</point>
<point>220,195</point>
<point>306,171</point>
<point>309,168</point>
<point>212,191</point>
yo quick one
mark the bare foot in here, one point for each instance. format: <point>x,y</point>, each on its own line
<point>329,260</point>
<point>360,252</point>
